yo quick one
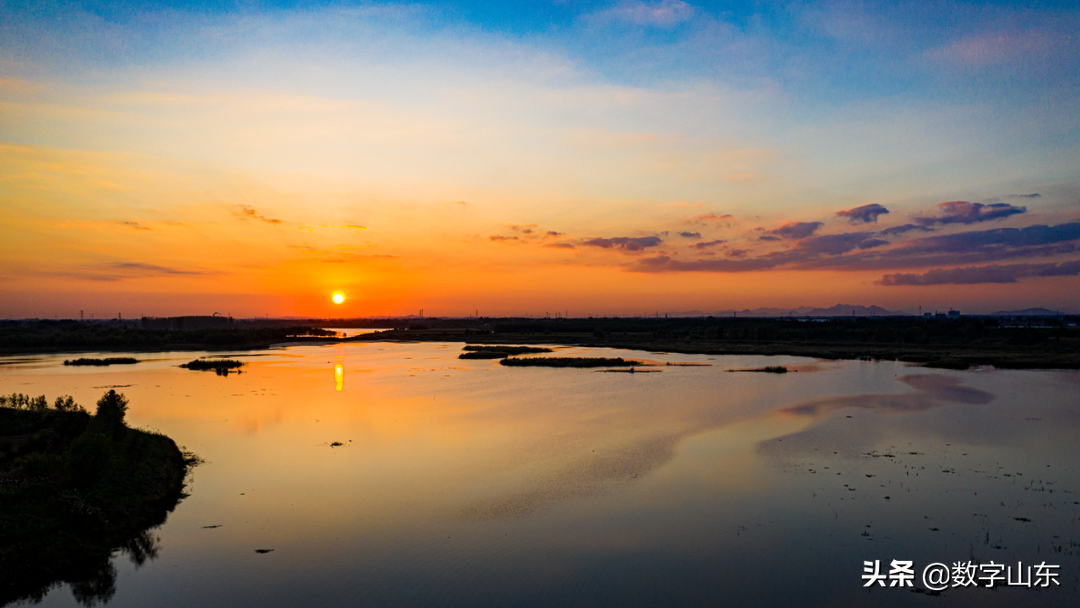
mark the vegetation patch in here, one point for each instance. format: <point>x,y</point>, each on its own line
<point>777,369</point>
<point>76,489</point>
<point>687,364</point>
<point>484,354</point>
<point>100,362</point>
<point>220,366</point>
<point>569,362</point>
<point>499,351</point>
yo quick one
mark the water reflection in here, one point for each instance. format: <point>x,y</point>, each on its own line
<point>88,571</point>
<point>466,483</point>
<point>933,391</point>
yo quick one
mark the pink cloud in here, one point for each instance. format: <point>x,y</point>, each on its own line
<point>664,13</point>
<point>993,48</point>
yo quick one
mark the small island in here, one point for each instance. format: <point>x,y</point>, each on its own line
<point>569,362</point>
<point>499,352</point>
<point>75,489</point>
<point>221,367</point>
<point>101,362</point>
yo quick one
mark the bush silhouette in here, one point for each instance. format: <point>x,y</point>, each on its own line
<point>110,411</point>
<point>89,458</point>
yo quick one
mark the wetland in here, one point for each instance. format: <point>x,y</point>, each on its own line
<point>396,473</point>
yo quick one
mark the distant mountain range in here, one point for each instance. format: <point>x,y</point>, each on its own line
<point>1028,312</point>
<point>840,310</point>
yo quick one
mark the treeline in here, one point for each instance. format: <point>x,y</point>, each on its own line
<point>76,488</point>
<point>19,401</point>
<point>75,334</point>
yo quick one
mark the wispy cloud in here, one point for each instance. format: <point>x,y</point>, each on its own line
<point>626,243</point>
<point>709,217</point>
<point>991,48</point>
<point>134,225</point>
<point>706,245</point>
<point>972,275</point>
<point>120,271</point>
<point>664,13</point>
<point>866,214</point>
<point>964,212</point>
<point>862,251</point>
<point>835,244</point>
<point>904,229</point>
<point>665,263</point>
<point>247,212</point>
<point>796,230</point>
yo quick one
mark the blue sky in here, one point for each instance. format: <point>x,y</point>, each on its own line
<point>446,129</point>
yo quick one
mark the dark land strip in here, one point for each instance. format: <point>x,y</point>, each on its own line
<point>952,344</point>
<point>1031,343</point>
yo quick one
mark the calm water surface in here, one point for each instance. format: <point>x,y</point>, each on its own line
<point>464,483</point>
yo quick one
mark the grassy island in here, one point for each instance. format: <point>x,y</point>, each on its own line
<point>220,366</point>
<point>772,369</point>
<point>75,489</point>
<point>1047,342</point>
<point>102,362</point>
<point>499,352</point>
<point>569,362</point>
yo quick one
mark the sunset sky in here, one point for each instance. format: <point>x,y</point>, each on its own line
<point>595,157</point>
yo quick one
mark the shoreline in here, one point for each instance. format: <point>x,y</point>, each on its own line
<point>944,356</point>
<point>77,489</point>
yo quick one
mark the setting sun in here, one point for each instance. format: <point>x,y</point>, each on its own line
<point>338,298</point>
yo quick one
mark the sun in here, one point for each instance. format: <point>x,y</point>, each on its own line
<point>338,298</point>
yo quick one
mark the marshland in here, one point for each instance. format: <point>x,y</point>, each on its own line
<point>398,473</point>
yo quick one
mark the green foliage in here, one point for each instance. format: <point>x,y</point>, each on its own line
<point>101,362</point>
<point>19,401</point>
<point>89,458</point>
<point>111,409</point>
<point>76,491</point>
<point>38,404</point>
<point>484,354</point>
<point>772,369</point>
<point>507,349</point>
<point>213,364</point>
<point>569,362</point>
<point>67,403</point>
<point>39,465</point>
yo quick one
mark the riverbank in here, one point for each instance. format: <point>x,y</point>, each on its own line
<point>35,337</point>
<point>1047,343</point>
<point>74,490</point>
<point>1049,354</point>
